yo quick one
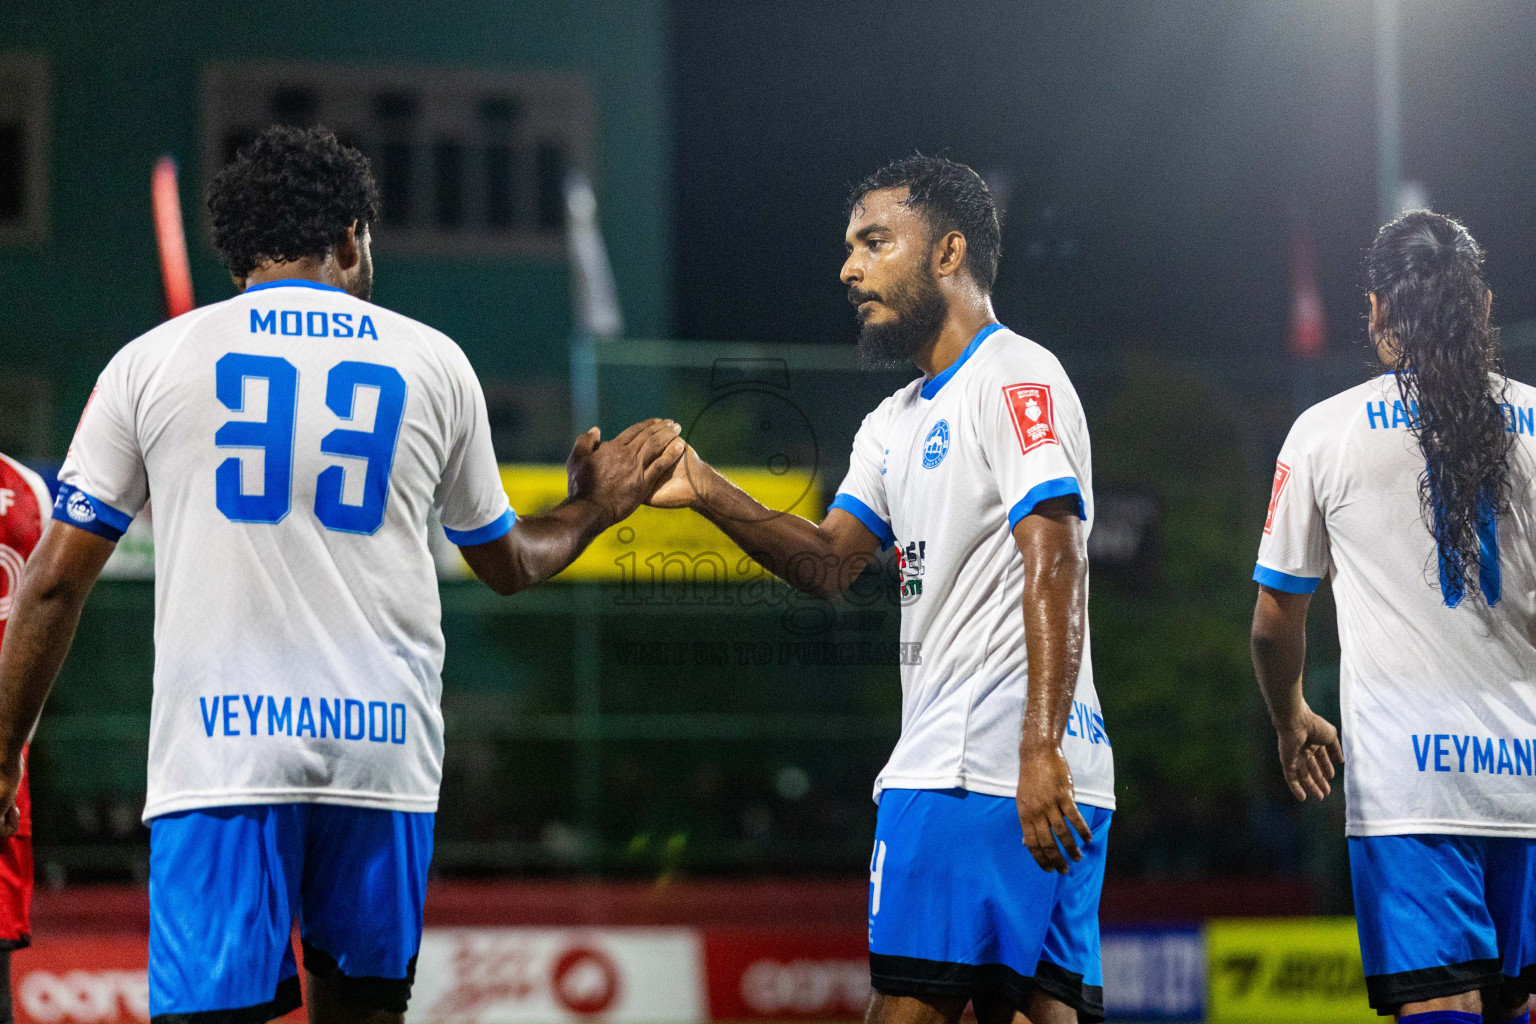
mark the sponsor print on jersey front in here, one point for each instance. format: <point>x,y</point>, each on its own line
<point>909,565</point>
<point>942,471</point>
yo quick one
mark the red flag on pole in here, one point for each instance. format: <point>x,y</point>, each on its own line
<point>1308,325</point>
<point>170,237</point>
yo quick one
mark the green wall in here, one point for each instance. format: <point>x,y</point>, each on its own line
<point>125,91</point>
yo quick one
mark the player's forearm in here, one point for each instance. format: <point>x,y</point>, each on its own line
<point>541,545</point>
<point>1278,643</point>
<point>37,638</point>
<point>791,547</point>
<point>1055,614</point>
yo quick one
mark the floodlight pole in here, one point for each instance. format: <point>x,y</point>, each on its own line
<point>1389,117</point>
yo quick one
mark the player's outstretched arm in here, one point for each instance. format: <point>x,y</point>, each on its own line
<point>1055,612</point>
<point>608,480</point>
<point>54,585</point>
<point>1309,744</point>
<point>820,559</point>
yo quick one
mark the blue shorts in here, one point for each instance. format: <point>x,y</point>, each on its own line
<point>225,884</point>
<point>1441,914</point>
<point>958,906</point>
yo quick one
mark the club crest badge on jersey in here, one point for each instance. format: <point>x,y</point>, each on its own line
<point>79,508</point>
<point>936,445</point>
<point>1282,474</point>
<point>1030,407</point>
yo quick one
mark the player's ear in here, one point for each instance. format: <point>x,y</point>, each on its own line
<point>346,249</point>
<point>1378,314</point>
<point>949,254</point>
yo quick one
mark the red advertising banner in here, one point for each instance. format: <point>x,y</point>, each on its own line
<point>86,979</point>
<point>100,978</point>
<point>790,974</point>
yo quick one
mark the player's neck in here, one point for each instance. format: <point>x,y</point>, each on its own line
<point>307,269</point>
<point>960,326</point>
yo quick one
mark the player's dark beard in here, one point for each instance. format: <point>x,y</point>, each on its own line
<point>920,308</point>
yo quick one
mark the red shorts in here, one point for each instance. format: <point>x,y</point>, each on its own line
<point>16,873</point>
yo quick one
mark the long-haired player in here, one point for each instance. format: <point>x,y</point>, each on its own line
<point>1415,493</point>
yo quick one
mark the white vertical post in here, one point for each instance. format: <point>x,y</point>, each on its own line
<point>1389,116</point>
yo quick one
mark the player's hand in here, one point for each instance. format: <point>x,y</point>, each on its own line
<point>681,487</point>
<point>1047,806</point>
<point>1309,745</point>
<point>620,474</point>
<point>10,783</point>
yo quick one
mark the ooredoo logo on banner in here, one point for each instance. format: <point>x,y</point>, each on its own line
<point>786,975</point>
<point>85,980</point>
<point>537,975</point>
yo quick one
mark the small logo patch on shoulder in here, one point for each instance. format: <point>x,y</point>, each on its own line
<point>1030,407</point>
<point>1282,474</point>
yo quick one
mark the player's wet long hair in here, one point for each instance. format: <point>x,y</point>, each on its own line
<point>1428,271</point>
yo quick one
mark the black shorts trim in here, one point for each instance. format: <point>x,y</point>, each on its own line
<point>913,976</point>
<point>1387,992</point>
<point>6,945</point>
<point>370,993</point>
<point>284,1001</point>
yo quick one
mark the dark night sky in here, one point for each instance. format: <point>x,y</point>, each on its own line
<point>1159,153</point>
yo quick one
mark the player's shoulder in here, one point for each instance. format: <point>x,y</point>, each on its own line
<point>413,331</point>
<point>136,361</point>
<point>1330,420</point>
<point>893,403</point>
<point>1005,357</point>
<point>1517,392</point>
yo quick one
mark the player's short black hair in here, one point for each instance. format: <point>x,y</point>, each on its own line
<point>953,198</point>
<point>290,193</point>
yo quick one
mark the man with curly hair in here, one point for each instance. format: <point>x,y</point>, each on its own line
<point>295,439</point>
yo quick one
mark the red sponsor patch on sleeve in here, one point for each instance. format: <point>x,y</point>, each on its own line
<point>1282,474</point>
<point>1030,407</point>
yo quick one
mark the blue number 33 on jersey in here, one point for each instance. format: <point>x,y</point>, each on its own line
<point>275,437</point>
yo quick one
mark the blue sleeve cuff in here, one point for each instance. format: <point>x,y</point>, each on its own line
<point>498,527</point>
<point>866,515</point>
<point>80,510</point>
<point>1060,487</point>
<point>1277,580</point>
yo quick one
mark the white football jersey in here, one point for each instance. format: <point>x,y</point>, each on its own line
<point>944,469</point>
<point>1438,702</point>
<point>294,440</point>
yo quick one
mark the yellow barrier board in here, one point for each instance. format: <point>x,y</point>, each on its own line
<point>1286,969</point>
<point>664,545</point>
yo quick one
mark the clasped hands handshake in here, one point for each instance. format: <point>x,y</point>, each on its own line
<point>647,464</point>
